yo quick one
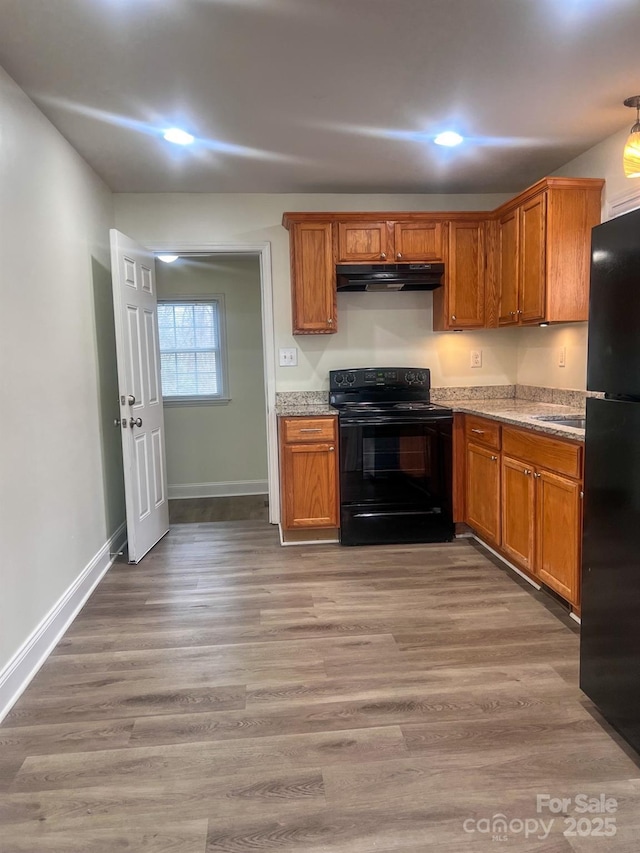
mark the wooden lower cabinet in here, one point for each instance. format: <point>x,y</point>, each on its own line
<point>518,505</point>
<point>542,512</point>
<point>309,474</point>
<point>559,525</point>
<point>483,492</point>
<point>526,500</point>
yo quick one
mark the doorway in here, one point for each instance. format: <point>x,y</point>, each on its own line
<point>212,368</point>
<point>242,489</point>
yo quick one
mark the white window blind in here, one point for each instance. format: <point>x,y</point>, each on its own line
<point>192,358</point>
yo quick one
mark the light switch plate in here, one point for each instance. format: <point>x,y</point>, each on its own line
<point>562,357</point>
<point>288,356</point>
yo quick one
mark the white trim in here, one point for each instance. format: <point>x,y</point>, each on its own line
<point>217,490</point>
<point>18,673</point>
<point>507,563</point>
<point>575,617</point>
<point>623,202</point>
<point>263,251</point>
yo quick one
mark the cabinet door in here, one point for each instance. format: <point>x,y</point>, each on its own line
<point>483,492</point>
<point>466,275</point>
<point>518,508</point>
<point>532,250</point>
<point>508,270</point>
<point>364,241</point>
<point>310,485</point>
<point>313,279</point>
<point>418,241</point>
<point>558,534</point>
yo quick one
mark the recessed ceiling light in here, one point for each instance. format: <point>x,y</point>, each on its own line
<point>167,259</point>
<point>448,138</point>
<point>177,136</point>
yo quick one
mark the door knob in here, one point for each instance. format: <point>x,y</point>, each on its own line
<point>135,422</point>
<point>116,422</point>
<point>332,448</point>
<point>131,399</point>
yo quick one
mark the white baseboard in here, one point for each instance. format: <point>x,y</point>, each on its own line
<point>507,563</point>
<point>17,674</point>
<point>218,490</point>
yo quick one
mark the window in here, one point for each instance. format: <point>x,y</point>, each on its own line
<point>192,351</point>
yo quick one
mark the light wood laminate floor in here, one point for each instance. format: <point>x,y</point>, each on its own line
<point>229,694</point>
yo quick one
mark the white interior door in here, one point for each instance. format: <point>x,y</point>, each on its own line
<point>140,391</point>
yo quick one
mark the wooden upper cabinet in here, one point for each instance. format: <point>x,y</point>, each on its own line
<point>518,512</point>
<point>418,241</point>
<point>544,252</point>
<point>313,278</point>
<point>364,241</point>
<point>508,267</point>
<point>460,304</point>
<point>526,262</point>
<point>533,279</point>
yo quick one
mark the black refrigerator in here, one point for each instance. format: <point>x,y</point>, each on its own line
<point>610,635</point>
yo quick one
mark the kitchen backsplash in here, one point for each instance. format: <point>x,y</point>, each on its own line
<point>535,393</point>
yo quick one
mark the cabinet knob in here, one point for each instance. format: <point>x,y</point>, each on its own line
<point>526,472</point>
<point>332,448</point>
<point>494,458</point>
<point>399,255</point>
<point>383,255</point>
<point>537,476</point>
<point>453,317</point>
<point>519,311</point>
<point>330,320</point>
<point>513,313</point>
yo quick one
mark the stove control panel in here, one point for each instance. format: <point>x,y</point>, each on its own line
<point>417,378</point>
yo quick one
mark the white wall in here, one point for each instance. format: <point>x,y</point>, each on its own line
<point>373,328</point>
<point>220,444</point>
<point>60,463</point>
<point>538,347</point>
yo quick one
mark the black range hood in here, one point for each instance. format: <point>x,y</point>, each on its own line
<point>386,278</point>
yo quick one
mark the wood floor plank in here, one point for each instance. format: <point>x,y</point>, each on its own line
<point>159,764</point>
<point>228,694</point>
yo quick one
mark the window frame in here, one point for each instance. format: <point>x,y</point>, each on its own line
<point>223,398</point>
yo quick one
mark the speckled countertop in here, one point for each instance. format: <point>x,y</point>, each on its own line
<point>311,410</point>
<point>303,403</point>
<point>522,413</point>
<point>507,408</point>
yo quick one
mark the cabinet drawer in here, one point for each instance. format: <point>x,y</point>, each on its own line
<point>308,429</point>
<point>543,451</point>
<point>482,431</point>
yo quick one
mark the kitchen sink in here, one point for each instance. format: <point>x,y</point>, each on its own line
<point>577,421</point>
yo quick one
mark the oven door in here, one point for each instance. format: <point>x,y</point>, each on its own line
<point>395,480</point>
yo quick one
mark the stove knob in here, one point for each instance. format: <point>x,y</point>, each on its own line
<point>420,377</point>
<point>339,378</point>
<point>410,376</point>
<point>351,378</point>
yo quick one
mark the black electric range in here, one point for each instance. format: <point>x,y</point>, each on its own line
<point>395,457</point>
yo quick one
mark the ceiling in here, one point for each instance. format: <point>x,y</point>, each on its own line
<point>326,95</point>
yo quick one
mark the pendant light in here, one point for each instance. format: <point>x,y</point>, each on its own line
<point>631,156</point>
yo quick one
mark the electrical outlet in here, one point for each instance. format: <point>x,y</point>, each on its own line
<point>476,358</point>
<point>562,357</point>
<point>288,357</point>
